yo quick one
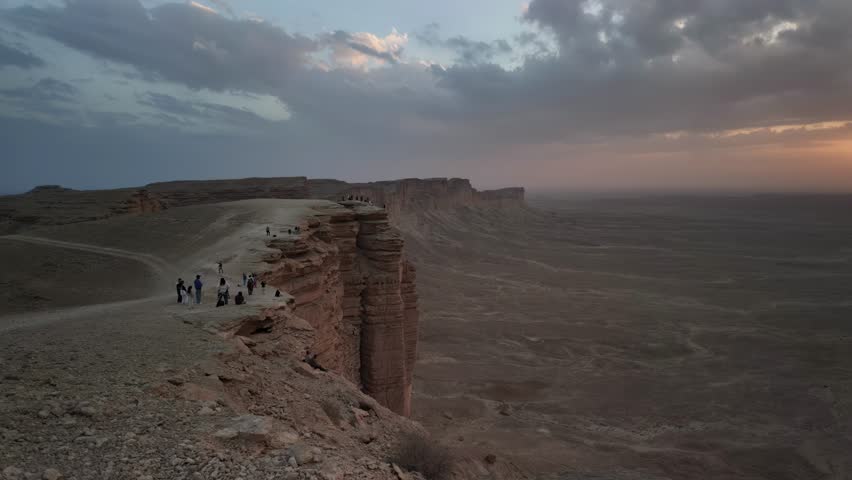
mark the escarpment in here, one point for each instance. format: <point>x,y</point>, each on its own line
<point>55,205</point>
<point>414,194</point>
<point>351,282</point>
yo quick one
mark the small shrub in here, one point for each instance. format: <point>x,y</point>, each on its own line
<point>416,453</point>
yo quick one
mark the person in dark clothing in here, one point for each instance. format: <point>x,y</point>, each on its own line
<point>221,271</point>
<point>277,293</point>
<point>250,285</point>
<point>239,299</point>
<point>198,284</point>
<point>268,233</point>
<point>180,289</point>
<point>312,361</point>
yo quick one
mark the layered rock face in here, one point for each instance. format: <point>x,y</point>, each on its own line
<point>178,194</point>
<point>351,282</point>
<point>414,194</point>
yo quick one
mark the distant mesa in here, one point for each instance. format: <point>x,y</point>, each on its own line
<point>48,189</point>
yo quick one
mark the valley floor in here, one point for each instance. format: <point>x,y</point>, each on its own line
<point>682,339</point>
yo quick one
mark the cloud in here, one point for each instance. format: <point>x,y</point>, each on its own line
<point>11,56</point>
<point>356,50</point>
<point>45,90</point>
<point>176,42</point>
<point>636,67</point>
<point>467,51</point>
<point>203,114</point>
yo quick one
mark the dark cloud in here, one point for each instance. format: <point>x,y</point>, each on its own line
<point>634,67</point>
<point>186,113</point>
<point>468,51</point>
<point>176,42</point>
<point>11,56</point>
<point>45,90</point>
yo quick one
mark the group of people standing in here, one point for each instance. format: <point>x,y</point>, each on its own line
<point>184,291</point>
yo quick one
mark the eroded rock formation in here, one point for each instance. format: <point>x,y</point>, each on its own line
<point>351,282</point>
<point>414,194</point>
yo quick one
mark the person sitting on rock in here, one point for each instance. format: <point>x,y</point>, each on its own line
<point>277,293</point>
<point>239,299</point>
<point>312,361</point>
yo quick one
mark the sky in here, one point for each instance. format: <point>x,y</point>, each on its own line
<point>591,95</point>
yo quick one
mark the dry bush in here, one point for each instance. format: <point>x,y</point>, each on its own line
<point>416,453</point>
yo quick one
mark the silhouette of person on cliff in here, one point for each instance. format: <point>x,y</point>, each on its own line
<point>268,232</point>
<point>180,290</point>
<point>198,284</point>
<point>312,361</point>
<point>239,299</point>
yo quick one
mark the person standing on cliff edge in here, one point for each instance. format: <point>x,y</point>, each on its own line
<point>198,284</point>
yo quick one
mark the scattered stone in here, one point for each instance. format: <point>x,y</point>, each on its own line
<point>43,414</point>
<point>206,411</point>
<point>86,411</point>
<point>367,437</point>
<point>302,454</point>
<point>51,474</point>
<point>448,415</point>
<point>491,459</point>
<point>12,473</point>
<point>249,428</point>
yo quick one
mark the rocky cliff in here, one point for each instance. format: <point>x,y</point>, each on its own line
<point>351,282</point>
<point>414,194</point>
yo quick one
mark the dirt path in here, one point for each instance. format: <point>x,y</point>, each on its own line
<point>155,263</point>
